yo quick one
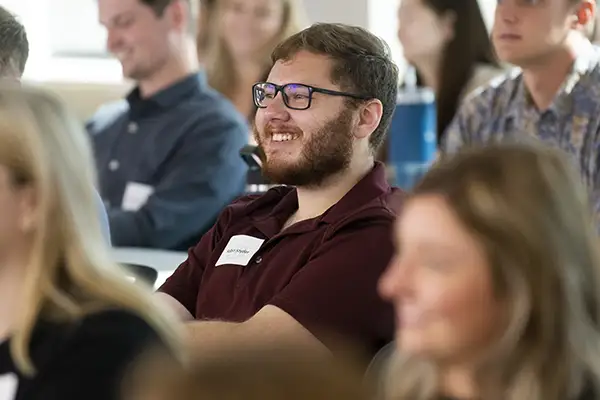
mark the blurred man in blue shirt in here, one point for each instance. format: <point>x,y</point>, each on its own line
<point>168,155</point>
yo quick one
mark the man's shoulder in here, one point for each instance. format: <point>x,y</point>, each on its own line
<point>495,96</point>
<point>383,207</point>
<point>370,202</point>
<point>590,79</point>
<point>211,107</point>
<point>106,115</point>
<point>206,111</point>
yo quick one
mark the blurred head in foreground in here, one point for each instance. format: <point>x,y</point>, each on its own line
<point>495,281</point>
<point>260,372</point>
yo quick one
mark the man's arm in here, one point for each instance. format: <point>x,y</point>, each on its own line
<point>203,175</point>
<point>174,306</point>
<point>269,324</point>
<point>179,293</point>
<point>333,296</point>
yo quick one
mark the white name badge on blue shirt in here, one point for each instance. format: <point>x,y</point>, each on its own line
<point>136,196</point>
<point>239,250</point>
<point>8,386</point>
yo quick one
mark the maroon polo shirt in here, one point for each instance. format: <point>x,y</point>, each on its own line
<point>323,271</point>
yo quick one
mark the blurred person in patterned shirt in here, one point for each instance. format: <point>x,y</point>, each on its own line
<point>554,93</point>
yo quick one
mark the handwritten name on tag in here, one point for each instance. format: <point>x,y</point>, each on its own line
<point>239,250</point>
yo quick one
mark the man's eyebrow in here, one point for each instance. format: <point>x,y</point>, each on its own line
<point>119,17</point>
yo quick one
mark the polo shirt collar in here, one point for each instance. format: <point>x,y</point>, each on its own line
<point>171,95</point>
<point>373,185</point>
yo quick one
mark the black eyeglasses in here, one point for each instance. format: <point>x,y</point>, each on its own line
<point>296,96</point>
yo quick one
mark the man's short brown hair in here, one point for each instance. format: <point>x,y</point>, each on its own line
<point>159,6</point>
<point>362,64</point>
<point>14,46</point>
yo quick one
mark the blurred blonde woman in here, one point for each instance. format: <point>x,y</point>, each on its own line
<point>245,33</point>
<point>70,322</point>
<point>496,282</point>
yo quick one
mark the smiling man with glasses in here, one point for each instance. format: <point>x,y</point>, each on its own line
<point>301,262</point>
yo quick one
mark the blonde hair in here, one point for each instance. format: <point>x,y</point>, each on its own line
<point>206,11</point>
<point>527,208</point>
<point>70,272</point>
<point>220,69</point>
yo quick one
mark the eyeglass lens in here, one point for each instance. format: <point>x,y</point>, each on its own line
<point>294,95</point>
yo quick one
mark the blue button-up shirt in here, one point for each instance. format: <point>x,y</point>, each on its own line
<point>503,111</point>
<point>168,164</point>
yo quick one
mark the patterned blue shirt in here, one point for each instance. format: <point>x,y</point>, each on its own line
<point>503,111</point>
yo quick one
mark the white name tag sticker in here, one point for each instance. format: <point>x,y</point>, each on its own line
<point>8,386</point>
<point>136,195</point>
<point>239,250</point>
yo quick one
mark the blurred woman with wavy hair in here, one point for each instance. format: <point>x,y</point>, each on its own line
<point>70,321</point>
<point>496,281</point>
<point>243,35</point>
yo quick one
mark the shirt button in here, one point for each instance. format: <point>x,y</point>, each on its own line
<point>132,127</point>
<point>258,260</point>
<point>113,165</point>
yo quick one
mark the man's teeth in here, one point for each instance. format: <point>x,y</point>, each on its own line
<point>283,137</point>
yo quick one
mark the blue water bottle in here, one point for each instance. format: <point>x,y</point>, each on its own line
<point>412,136</point>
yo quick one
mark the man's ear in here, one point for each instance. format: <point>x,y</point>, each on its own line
<point>178,12</point>
<point>368,118</point>
<point>585,13</point>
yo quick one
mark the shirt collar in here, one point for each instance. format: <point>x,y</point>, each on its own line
<point>373,185</point>
<point>171,95</point>
<point>585,60</point>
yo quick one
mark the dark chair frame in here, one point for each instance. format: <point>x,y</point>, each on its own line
<point>144,273</point>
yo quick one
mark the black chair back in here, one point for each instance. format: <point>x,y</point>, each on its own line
<point>143,273</point>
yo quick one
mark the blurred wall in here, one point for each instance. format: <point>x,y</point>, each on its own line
<point>353,12</point>
<point>379,16</point>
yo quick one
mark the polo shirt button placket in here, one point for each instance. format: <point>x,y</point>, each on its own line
<point>240,282</point>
